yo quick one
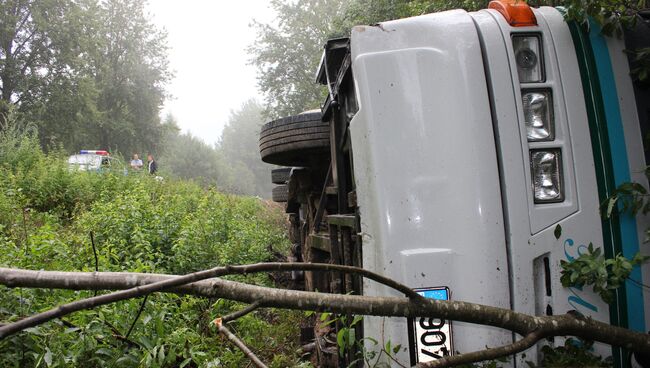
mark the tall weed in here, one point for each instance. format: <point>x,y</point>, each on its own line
<point>19,145</point>
<point>47,213</point>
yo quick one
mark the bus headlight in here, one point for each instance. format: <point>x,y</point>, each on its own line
<point>528,58</point>
<point>547,176</point>
<point>538,115</point>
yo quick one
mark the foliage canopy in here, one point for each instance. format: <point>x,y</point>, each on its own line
<point>88,73</point>
<point>287,54</point>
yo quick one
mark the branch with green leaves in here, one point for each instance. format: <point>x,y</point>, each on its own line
<point>592,268</point>
<point>604,274</point>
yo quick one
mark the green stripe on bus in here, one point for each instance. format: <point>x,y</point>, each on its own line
<point>602,162</point>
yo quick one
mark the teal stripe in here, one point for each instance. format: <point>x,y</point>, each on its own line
<point>627,222</point>
<point>602,164</point>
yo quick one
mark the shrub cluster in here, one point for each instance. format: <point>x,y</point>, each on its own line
<point>47,213</point>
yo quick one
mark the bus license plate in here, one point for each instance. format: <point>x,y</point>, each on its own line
<point>432,335</point>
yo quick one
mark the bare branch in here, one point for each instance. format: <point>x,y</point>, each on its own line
<point>117,334</point>
<point>19,48</point>
<point>27,277</point>
<point>92,242</point>
<point>137,316</point>
<point>238,314</point>
<point>522,324</point>
<point>487,354</point>
<point>137,291</point>
<point>240,344</point>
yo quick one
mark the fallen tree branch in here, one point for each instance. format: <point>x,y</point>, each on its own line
<point>137,316</point>
<point>162,285</point>
<point>487,354</point>
<point>240,344</point>
<point>522,324</point>
<point>240,313</point>
<point>10,276</point>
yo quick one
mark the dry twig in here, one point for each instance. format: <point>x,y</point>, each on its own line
<point>240,344</point>
<point>238,314</point>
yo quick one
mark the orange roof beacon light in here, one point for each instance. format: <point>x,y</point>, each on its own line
<point>517,12</point>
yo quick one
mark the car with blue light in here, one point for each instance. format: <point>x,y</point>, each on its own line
<point>95,160</point>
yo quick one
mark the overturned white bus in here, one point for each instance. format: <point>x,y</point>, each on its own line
<point>448,151</point>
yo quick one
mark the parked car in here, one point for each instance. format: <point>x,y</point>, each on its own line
<point>95,160</point>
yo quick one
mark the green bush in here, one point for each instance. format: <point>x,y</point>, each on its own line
<point>47,214</point>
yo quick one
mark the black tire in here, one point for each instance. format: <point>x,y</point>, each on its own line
<point>298,140</point>
<point>280,193</point>
<point>280,176</point>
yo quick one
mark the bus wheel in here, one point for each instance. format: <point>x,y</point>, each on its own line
<point>280,193</point>
<point>280,176</point>
<point>298,140</point>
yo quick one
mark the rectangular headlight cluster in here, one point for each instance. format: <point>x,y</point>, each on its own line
<point>546,173</point>
<point>528,58</point>
<point>538,115</point>
<point>545,164</point>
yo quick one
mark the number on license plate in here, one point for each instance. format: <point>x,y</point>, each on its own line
<point>432,336</point>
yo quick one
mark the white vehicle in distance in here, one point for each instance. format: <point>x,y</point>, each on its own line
<point>94,160</point>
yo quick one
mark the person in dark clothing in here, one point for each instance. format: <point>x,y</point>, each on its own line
<point>153,166</point>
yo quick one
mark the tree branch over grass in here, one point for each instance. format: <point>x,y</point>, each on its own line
<point>238,314</point>
<point>487,354</point>
<point>137,284</point>
<point>240,344</point>
<point>168,283</point>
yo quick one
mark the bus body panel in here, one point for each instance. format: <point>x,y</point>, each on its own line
<point>426,170</point>
<point>583,227</point>
<point>534,252</point>
<point>638,308</point>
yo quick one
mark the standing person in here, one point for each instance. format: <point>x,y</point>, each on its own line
<point>136,163</point>
<point>153,166</point>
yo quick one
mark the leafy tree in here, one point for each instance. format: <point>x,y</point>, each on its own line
<point>232,165</point>
<point>188,157</point>
<point>287,54</point>
<point>239,147</point>
<point>613,16</point>
<point>373,11</point>
<point>39,45</point>
<point>89,73</point>
<point>130,68</point>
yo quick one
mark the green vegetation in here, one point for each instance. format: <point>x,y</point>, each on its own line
<point>592,268</point>
<point>92,74</point>
<point>288,50</point>
<point>47,213</point>
<point>88,73</point>
<point>574,353</point>
<point>606,275</point>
